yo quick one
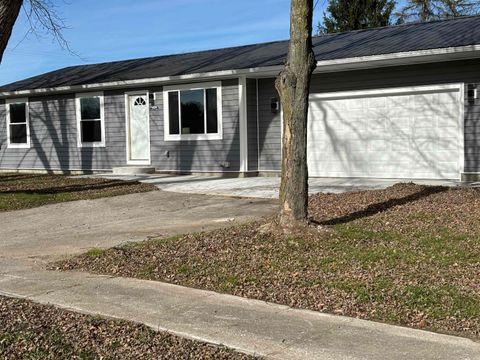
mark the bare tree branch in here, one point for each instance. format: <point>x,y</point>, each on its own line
<point>43,19</point>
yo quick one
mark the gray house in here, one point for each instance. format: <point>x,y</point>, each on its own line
<point>393,102</point>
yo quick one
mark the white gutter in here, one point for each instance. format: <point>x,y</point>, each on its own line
<point>400,58</point>
<point>362,62</point>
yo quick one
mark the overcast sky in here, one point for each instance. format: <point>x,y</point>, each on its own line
<point>106,30</point>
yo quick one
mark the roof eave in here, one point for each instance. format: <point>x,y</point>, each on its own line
<point>400,58</point>
<point>353,63</point>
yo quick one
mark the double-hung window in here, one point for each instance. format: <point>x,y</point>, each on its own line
<point>90,120</point>
<point>193,112</point>
<point>18,131</point>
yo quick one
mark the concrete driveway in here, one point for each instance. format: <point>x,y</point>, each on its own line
<point>73,227</point>
<point>260,187</point>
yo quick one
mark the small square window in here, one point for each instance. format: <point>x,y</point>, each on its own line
<point>90,108</point>
<point>18,133</point>
<point>91,131</point>
<point>18,113</point>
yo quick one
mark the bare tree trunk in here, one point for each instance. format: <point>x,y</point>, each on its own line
<point>9,10</point>
<point>293,85</point>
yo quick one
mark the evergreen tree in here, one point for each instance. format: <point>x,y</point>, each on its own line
<point>346,15</point>
<point>426,10</point>
<point>455,8</point>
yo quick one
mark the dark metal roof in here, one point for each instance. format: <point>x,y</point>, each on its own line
<point>410,37</point>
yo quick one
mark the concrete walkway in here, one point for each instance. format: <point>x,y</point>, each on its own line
<point>259,187</point>
<point>250,326</point>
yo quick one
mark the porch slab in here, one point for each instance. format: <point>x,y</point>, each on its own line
<point>261,187</point>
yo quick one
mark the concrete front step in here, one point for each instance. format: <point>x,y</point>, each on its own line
<point>133,170</point>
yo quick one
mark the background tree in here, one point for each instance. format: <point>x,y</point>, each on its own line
<point>41,15</point>
<point>426,10</point>
<point>346,15</point>
<point>455,8</point>
<point>293,85</point>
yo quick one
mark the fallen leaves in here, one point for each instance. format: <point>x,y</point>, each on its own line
<point>21,191</point>
<point>33,331</point>
<point>407,255</point>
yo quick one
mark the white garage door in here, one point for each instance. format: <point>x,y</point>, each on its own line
<point>390,133</point>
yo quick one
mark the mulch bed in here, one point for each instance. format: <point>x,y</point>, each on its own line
<point>407,255</point>
<point>33,331</point>
<point>21,191</point>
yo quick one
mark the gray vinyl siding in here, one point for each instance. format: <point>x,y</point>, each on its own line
<point>472,132</point>
<point>466,71</point>
<point>269,128</point>
<point>53,138</point>
<point>53,130</point>
<point>205,155</point>
<point>3,131</point>
<point>252,123</point>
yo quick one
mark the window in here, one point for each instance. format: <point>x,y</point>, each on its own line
<point>90,120</point>
<point>18,131</point>
<point>193,112</point>
<point>139,102</point>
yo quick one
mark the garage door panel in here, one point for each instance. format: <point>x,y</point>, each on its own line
<point>398,102</point>
<point>420,145</point>
<point>356,125</point>
<point>425,120</point>
<point>399,123</point>
<point>448,98</point>
<point>355,104</point>
<point>425,100</point>
<point>444,120</point>
<point>386,157</point>
<point>401,135</point>
<point>447,132</point>
<point>378,145</point>
<point>399,146</point>
<point>447,144</point>
<point>431,160</point>
<point>376,122</point>
<point>424,132</point>
<point>377,103</point>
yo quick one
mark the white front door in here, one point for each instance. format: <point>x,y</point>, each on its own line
<point>138,136</point>
<point>389,133</point>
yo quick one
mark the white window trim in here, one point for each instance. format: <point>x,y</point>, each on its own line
<point>78,96</point>
<point>27,118</point>
<point>243,113</point>
<point>193,137</point>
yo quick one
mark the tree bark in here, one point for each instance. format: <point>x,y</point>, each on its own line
<point>293,86</point>
<point>9,10</point>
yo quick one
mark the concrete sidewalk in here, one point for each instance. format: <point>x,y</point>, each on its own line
<point>249,326</point>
